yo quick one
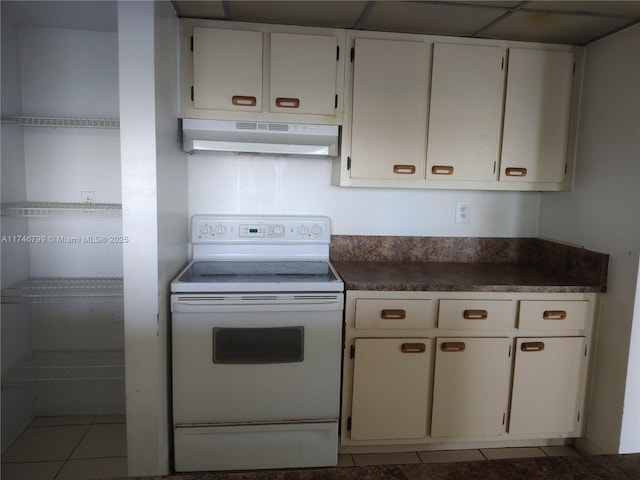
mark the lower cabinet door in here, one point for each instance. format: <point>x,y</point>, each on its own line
<point>548,384</point>
<point>391,380</point>
<point>471,387</point>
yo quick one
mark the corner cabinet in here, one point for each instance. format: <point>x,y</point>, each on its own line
<point>451,113</point>
<point>254,72</point>
<point>455,369</point>
<point>537,116</point>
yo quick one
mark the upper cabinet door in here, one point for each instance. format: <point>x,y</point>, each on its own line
<point>537,114</point>
<point>303,73</point>
<point>389,109</point>
<point>465,113</point>
<point>227,70</point>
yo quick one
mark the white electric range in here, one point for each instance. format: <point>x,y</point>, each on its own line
<point>256,345</point>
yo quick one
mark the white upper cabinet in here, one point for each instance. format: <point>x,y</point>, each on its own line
<point>227,70</point>
<point>303,73</point>
<point>389,109</point>
<point>537,115</point>
<point>260,72</point>
<point>465,112</point>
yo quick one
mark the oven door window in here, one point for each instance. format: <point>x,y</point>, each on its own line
<point>258,345</point>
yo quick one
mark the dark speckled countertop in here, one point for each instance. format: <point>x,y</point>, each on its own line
<point>466,264</point>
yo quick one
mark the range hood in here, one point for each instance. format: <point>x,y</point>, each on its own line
<point>259,137</point>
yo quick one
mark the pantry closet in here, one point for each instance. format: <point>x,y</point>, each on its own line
<point>62,240</point>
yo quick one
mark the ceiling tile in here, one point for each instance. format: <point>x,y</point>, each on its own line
<point>429,18</point>
<point>195,9</point>
<point>615,8</point>
<point>335,14</point>
<point>546,27</point>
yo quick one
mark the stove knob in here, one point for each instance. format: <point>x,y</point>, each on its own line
<point>220,229</point>
<point>206,229</point>
<point>303,230</point>
<point>278,230</point>
<point>316,230</point>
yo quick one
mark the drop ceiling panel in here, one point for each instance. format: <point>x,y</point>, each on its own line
<point>333,14</point>
<point>429,18</point>
<point>561,21</point>
<point>613,8</point>
<point>194,9</point>
<point>546,27</point>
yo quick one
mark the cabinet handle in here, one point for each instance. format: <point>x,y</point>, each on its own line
<point>515,172</point>
<point>404,169</point>
<point>554,315</point>
<point>532,346</point>
<point>475,314</point>
<point>452,346</point>
<point>393,314</point>
<point>284,102</point>
<point>413,348</point>
<point>244,101</point>
<point>442,170</point>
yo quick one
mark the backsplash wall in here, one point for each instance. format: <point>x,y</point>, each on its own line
<point>265,184</point>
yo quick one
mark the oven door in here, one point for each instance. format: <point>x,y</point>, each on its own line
<point>259,358</point>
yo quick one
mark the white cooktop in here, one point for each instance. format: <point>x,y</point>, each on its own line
<point>241,253</point>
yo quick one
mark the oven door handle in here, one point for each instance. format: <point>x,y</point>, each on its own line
<point>252,304</point>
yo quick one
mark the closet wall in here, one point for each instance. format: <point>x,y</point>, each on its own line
<point>62,336</point>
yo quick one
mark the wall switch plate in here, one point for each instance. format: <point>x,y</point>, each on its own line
<point>463,212</point>
<point>88,197</point>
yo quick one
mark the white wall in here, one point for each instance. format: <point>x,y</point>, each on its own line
<point>602,214</point>
<point>17,404</point>
<point>154,218</point>
<point>229,183</point>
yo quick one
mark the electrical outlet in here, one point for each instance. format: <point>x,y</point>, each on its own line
<point>463,212</point>
<point>88,197</point>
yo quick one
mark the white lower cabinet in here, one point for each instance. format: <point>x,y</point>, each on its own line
<point>464,368</point>
<point>471,386</point>
<point>391,388</point>
<point>547,380</point>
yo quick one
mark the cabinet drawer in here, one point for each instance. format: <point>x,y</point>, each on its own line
<point>564,314</point>
<point>477,314</point>
<point>395,314</point>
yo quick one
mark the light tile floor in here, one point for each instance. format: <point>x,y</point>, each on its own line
<point>68,448</point>
<point>445,456</point>
<point>88,447</point>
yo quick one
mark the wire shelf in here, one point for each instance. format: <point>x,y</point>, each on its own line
<point>55,209</point>
<point>65,290</point>
<point>47,367</point>
<point>71,122</point>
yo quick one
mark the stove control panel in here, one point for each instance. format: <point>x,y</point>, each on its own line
<point>213,229</point>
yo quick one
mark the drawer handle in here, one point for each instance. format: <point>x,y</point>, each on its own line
<point>452,346</point>
<point>413,348</point>
<point>244,101</point>
<point>393,314</point>
<point>475,315</point>
<point>516,172</point>
<point>532,346</point>
<point>554,315</point>
<point>442,170</point>
<point>284,102</point>
<point>404,169</point>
